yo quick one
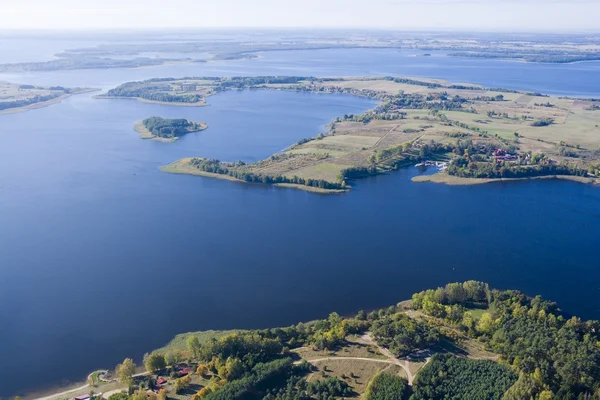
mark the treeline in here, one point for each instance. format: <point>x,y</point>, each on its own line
<point>494,170</point>
<point>240,171</point>
<point>5,105</point>
<point>242,82</point>
<point>430,85</point>
<point>153,92</point>
<point>555,358</point>
<point>433,101</point>
<point>357,173</point>
<point>170,128</point>
<point>540,57</point>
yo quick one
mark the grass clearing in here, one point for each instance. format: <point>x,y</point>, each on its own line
<point>350,349</point>
<point>356,373</point>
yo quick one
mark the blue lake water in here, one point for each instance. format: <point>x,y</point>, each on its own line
<point>102,256</point>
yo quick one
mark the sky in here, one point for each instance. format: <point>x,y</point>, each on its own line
<point>481,15</point>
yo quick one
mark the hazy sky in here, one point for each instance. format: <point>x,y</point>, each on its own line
<point>522,15</point>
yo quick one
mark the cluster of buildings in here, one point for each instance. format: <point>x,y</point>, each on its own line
<point>502,155</point>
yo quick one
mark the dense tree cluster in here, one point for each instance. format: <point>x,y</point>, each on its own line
<point>170,128</point>
<point>385,386</point>
<point>543,122</point>
<point>402,334</point>
<point>451,378</point>
<point>297,388</point>
<point>553,354</point>
<point>430,85</point>
<point>357,173</point>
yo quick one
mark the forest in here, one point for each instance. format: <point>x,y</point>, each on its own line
<point>555,356</point>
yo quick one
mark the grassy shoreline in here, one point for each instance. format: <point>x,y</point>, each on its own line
<point>182,166</point>
<point>450,180</point>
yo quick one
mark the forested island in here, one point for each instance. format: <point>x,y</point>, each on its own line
<point>462,341</point>
<point>19,97</point>
<point>167,130</point>
<point>474,134</point>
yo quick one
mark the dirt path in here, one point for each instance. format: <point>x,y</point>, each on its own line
<point>405,365</point>
<point>390,358</point>
<point>316,360</point>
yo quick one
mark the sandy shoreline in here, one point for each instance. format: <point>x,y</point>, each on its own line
<point>47,103</point>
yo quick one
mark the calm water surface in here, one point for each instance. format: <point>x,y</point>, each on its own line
<point>102,256</point>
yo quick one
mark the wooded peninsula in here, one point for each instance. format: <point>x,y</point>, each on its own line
<point>462,341</point>
<point>474,134</point>
<point>20,98</point>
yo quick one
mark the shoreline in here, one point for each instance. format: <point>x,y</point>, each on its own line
<point>46,103</point>
<point>181,167</point>
<point>202,103</point>
<point>444,178</point>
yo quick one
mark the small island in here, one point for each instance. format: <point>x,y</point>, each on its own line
<point>167,130</point>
